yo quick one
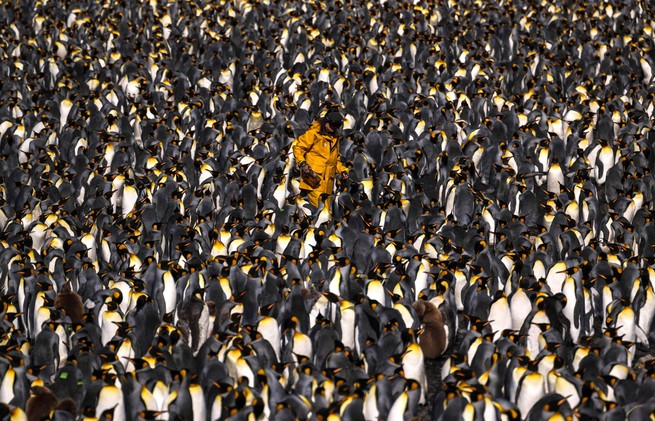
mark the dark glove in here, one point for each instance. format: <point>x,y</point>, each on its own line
<point>309,176</point>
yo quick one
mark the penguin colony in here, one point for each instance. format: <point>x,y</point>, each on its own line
<point>157,261</point>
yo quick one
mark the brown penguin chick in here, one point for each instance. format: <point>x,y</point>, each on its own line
<point>41,404</point>
<point>71,303</point>
<point>433,337</point>
<point>67,405</point>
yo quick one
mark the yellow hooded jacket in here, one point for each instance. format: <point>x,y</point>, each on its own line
<point>321,152</point>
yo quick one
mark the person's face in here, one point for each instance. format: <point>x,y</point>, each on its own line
<point>330,129</point>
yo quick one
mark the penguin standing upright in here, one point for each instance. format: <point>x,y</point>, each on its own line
<point>70,303</point>
<point>500,315</point>
<point>43,402</point>
<point>194,316</point>
<point>414,366</point>
<point>108,321</point>
<point>270,331</point>
<point>606,158</point>
<point>14,386</point>
<point>168,293</point>
<point>110,397</point>
<point>433,339</point>
<point>554,178</point>
<point>348,324</point>
<point>400,407</point>
<point>531,389</point>
<point>520,307</point>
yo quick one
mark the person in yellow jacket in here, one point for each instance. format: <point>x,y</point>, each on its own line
<point>318,158</point>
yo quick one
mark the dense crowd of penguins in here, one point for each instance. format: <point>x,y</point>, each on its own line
<point>158,262</point>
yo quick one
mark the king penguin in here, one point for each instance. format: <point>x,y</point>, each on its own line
<point>414,367</point>
<point>432,339</point>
